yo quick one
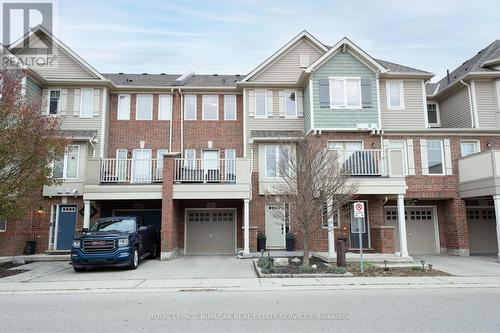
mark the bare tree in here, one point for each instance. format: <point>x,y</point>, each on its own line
<point>28,144</point>
<point>315,185</point>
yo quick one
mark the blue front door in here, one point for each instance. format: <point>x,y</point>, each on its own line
<point>66,227</point>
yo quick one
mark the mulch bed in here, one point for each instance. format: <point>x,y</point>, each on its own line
<point>5,270</point>
<point>294,268</point>
<point>376,271</point>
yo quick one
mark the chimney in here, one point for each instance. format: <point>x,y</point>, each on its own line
<point>448,75</point>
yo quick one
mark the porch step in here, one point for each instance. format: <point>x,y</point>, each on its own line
<point>57,252</point>
<point>367,250</point>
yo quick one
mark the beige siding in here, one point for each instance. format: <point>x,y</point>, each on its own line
<point>64,67</point>
<point>412,116</point>
<point>485,104</point>
<point>286,67</point>
<point>455,110</point>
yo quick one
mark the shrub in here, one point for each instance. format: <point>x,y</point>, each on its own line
<point>264,262</point>
<point>304,269</point>
<point>417,268</point>
<point>337,270</point>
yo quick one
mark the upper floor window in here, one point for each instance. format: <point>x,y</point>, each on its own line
<point>190,107</point>
<point>260,103</point>
<point>435,157</point>
<point>123,107</point>
<point>210,107</point>
<point>395,95</point>
<point>144,107</point>
<point>190,158</point>
<point>87,103</point>
<point>67,167</point>
<point>345,145</point>
<point>229,107</point>
<point>469,147</point>
<point>3,225</point>
<point>54,101</point>
<point>165,107</point>
<point>433,115</point>
<point>276,160</point>
<point>290,104</point>
<point>345,93</point>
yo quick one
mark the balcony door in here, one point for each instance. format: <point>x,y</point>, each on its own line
<point>141,166</point>
<point>211,165</point>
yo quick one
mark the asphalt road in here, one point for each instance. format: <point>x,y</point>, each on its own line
<point>388,310</point>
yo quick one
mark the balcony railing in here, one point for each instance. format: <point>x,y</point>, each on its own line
<point>204,170</point>
<point>367,162</point>
<point>115,170</point>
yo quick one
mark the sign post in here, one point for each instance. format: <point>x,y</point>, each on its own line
<point>359,215</point>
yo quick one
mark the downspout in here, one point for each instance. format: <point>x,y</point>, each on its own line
<point>171,123</point>
<point>471,105</point>
<point>91,141</point>
<point>182,122</point>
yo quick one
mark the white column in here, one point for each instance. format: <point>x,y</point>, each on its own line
<point>86,214</point>
<point>331,239</point>
<point>246,227</point>
<point>496,200</point>
<point>403,245</point>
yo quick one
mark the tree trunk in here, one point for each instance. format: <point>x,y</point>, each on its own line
<point>305,260</point>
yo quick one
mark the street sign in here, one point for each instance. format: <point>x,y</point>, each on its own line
<point>359,210</point>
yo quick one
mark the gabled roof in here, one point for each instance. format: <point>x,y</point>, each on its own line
<point>431,88</point>
<point>478,64</point>
<point>283,49</point>
<point>60,44</point>
<point>169,80</point>
<point>397,68</point>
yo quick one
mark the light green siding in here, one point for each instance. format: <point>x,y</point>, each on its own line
<point>33,90</point>
<point>307,110</point>
<point>344,64</point>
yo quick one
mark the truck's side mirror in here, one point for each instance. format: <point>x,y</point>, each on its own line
<point>85,230</point>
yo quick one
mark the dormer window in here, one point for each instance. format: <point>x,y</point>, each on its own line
<point>433,115</point>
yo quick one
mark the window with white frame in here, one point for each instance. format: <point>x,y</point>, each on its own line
<point>54,102</point>
<point>165,107</point>
<point>67,168</point>
<point>229,107</point>
<point>345,93</point>
<point>433,115</point>
<point>260,103</point>
<point>190,158</point>
<point>400,144</point>
<point>190,107</point>
<point>395,95</point>
<point>435,157</point>
<point>121,164</point>
<point>290,104</point>
<point>210,107</point>
<point>469,147</point>
<point>345,145</point>
<point>159,161</point>
<point>123,107</point>
<point>276,160</point>
<point>230,157</point>
<point>144,107</point>
<point>3,225</point>
<point>87,103</point>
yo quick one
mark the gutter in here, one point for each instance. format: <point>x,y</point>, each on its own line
<point>171,122</point>
<point>471,104</point>
<point>182,122</point>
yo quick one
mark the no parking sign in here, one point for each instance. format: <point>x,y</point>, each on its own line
<point>359,210</point>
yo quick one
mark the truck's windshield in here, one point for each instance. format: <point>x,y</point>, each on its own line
<point>126,225</point>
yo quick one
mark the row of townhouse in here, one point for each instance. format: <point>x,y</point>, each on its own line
<point>198,155</point>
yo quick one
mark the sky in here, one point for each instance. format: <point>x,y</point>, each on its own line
<point>235,36</point>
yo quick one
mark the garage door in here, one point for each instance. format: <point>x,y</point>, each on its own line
<point>420,229</point>
<point>482,231</point>
<point>210,232</point>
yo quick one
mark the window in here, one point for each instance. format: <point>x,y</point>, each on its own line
<point>229,107</point>
<point>190,107</point>
<point>190,156</point>
<point>144,107</point>
<point>121,164</point>
<point>67,168</point>
<point>210,107</point>
<point>290,104</point>
<point>345,93</point>
<point>395,93</point>
<point>275,160</point>
<point>345,145</point>
<point>400,144</point>
<point>87,103</point>
<point>433,115</point>
<point>54,101</point>
<point>123,107</point>
<point>435,157</point>
<point>159,162</point>
<point>260,103</point>
<point>469,147</point>
<point>3,225</point>
<point>165,107</point>
<point>230,156</point>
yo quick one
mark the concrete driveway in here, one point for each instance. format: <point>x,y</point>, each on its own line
<point>184,267</point>
<point>463,266</point>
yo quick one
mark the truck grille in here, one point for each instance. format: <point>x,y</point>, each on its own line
<point>98,245</point>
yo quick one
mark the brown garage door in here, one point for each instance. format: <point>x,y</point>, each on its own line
<point>482,231</point>
<point>210,232</point>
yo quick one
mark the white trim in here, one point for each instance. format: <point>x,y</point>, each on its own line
<point>290,91</point>
<point>438,115</point>
<point>195,106</point>
<point>137,107</point>
<point>235,107</point>
<point>104,116</point>
<point>203,107</point>
<point>57,227</point>
<point>443,162</point>
<point>5,223</point>
<point>424,99</point>
<point>476,143</point>
<point>168,105</point>
<point>118,107</point>
<point>345,105</point>
<point>52,227</point>
<point>65,164</point>
<point>245,115</point>
<point>235,217</point>
<point>311,104</point>
<point>474,103</point>
<point>91,115</point>
<point>58,102</point>
<point>377,85</point>
<point>401,105</point>
<point>265,103</point>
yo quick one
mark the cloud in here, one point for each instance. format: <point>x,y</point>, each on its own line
<point>116,28</point>
<point>239,17</point>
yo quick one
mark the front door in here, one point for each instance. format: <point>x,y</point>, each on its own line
<point>355,228</point>
<point>141,166</point>
<point>211,165</point>
<point>66,227</point>
<point>275,227</point>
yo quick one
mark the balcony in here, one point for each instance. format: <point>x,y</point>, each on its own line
<point>479,174</point>
<point>204,170</point>
<point>134,171</point>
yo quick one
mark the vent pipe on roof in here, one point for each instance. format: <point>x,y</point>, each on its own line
<point>448,75</point>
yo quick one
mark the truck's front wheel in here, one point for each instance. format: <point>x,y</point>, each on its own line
<point>134,261</point>
<point>80,269</point>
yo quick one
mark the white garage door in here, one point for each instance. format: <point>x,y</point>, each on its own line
<point>421,232</point>
<point>482,231</point>
<point>210,232</point>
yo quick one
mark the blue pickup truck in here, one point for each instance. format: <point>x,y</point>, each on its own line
<point>114,241</point>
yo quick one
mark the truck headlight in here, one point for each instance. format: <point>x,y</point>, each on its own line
<point>76,243</point>
<point>123,242</point>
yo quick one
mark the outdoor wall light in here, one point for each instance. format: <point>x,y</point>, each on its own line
<point>40,210</point>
